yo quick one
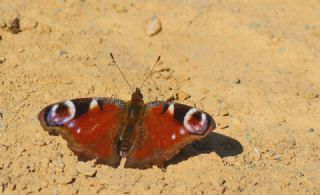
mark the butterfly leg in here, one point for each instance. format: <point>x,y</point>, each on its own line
<point>161,165</point>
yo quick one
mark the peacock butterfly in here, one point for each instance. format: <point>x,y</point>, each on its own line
<point>107,129</point>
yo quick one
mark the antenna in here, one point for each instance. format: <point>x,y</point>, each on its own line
<point>150,72</point>
<point>115,63</point>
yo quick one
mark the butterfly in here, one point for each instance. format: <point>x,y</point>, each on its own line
<point>109,129</point>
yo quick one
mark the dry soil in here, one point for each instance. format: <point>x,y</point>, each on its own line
<point>253,65</point>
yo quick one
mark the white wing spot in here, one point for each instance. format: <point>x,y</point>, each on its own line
<point>173,137</point>
<point>78,131</point>
<point>71,109</point>
<point>53,111</point>
<point>72,124</point>
<point>182,131</point>
<point>94,103</point>
<point>171,108</point>
<point>203,119</point>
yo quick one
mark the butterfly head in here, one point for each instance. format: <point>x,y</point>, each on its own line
<point>137,96</point>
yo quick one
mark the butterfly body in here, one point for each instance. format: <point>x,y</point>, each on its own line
<point>134,111</point>
<point>107,129</point>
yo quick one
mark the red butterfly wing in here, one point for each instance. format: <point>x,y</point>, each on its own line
<point>167,128</point>
<point>91,126</point>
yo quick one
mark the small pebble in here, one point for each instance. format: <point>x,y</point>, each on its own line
<point>226,114</point>
<point>166,69</point>
<point>40,142</point>
<point>147,187</point>
<point>275,39</point>
<point>236,9</point>
<point>3,24</point>
<point>270,155</point>
<point>223,126</point>
<point>281,120</point>
<point>221,189</point>
<point>61,52</point>
<point>44,29</point>
<point>28,24</point>
<point>238,81</point>
<point>86,169</point>
<point>15,26</point>
<point>204,90</point>
<point>44,162</point>
<point>223,123</point>
<point>300,174</point>
<point>311,95</point>
<point>2,59</point>
<point>63,179</point>
<point>240,189</point>
<point>153,26</point>
<point>222,182</point>
<point>119,8</point>
<point>98,40</point>
<point>257,155</point>
<point>219,182</point>
<point>254,25</point>
<point>311,129</point>
<point>281,49</point>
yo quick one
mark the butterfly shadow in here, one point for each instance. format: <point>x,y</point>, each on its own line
<point>223,145</point>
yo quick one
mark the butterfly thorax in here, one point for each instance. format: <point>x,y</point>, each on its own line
<point>134,113</point>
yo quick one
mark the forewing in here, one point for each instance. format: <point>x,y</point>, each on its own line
<point>165,130</point>
<point>91,126</point>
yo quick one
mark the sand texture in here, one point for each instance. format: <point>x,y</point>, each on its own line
<point>253,65</point>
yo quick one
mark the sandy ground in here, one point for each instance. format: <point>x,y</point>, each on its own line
<point>253,65</point>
